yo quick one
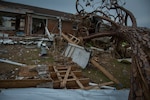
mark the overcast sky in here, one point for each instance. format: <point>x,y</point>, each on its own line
<point>140,8</point>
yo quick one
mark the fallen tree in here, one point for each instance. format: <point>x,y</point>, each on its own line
<point>117,27</point>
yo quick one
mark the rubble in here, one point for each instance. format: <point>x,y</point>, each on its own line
<point>7,41</point>
<point>43,71</point>
<point>73,55</point>
<point>69,77</point>
<point>90,26</point>
<point>63,72</point>
<point>58,76</point>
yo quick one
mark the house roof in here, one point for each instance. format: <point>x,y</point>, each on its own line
<point>22,9</point>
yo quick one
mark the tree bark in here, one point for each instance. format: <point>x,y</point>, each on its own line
<point>139,40</point>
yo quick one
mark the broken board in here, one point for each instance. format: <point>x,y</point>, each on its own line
<point>68,77</point>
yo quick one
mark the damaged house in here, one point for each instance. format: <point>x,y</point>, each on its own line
<point>59,74</point>
<point>31,20</point>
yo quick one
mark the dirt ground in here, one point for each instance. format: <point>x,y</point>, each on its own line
<point>29,54</point>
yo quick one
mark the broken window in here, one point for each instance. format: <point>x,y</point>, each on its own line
<point>9,23</point>
<point>6,23</point>
<point>38,26</point>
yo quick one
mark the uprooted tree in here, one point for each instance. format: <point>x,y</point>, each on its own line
<point>110,18</point>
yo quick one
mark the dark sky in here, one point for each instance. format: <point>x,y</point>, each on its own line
<point>140,8</point>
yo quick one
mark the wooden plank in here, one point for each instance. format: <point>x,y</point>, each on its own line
<point>73,68</point>
<point>51,69</point>
<point>99,85</point>
<point>56,84</point>
<point>22,83</point>
<point>66,38</point>
<point>71,83</point>
<point>85,81</point>
<point>58,74</point>
<point>77,81</point>
<point>74,85</point>
<point>61,71</point>
<point>54,76</point>
<point>74,39</point>
<point>68,77</point>
<point>104,71</point>
<point>62,67</point>
<point>63,83</point>
<point>77,73</point>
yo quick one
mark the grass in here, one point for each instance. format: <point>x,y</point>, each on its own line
<point>95,75</point>
<point>120,71</point>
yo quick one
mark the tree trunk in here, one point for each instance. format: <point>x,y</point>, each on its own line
<point>139,40</point>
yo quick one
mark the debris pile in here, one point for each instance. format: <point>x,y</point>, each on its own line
<point>69,59</point>
<point>65,71</point>
<point>69,77</point>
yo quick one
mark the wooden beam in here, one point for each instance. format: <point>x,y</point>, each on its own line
<point>63,83</point>
<point>22,83</point>
<point>71,39</point>
<point>99,85</point>
<point>28,24</point>
<point>54,75</point>
<point>71,83</point>
<point>73,68</point>
<point>58,74</point>
<point>104,71</point>
<point>77,81</point>
<point>69,77</point>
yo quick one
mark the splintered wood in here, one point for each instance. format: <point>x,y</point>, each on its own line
<point>56,77</point>
<point>68,77</point>
<point>71,39</point>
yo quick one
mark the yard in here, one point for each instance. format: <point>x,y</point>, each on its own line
<point>29,55</point>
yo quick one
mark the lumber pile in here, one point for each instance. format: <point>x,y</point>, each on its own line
<point>57,77</point>
<point>68,77</point>
<point>71,39</point>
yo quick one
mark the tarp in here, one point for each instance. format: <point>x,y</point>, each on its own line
<point>62,94</point>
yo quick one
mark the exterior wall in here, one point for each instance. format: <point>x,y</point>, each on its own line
<point>28,24</point>
<point>67,27</point>
<point>53,25</point>
<point>27,16</point>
